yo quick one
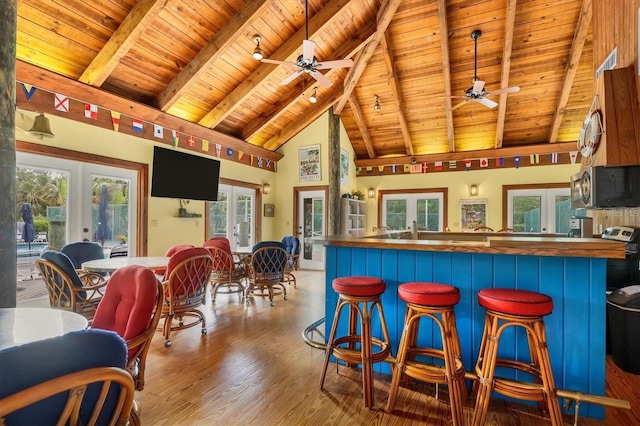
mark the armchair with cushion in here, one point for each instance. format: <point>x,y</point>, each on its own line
<point>266,269</point>
<point>292,247</point>
<point>82,251</point>
<point>226,275</point>
<point>131,307</point>
<point>162,272</point>
<point>44,382</point>
<point>69,289</point>
<point>188,273</point>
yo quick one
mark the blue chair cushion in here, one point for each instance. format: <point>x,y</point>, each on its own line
<point>260,263</point>
<point>82,251</point>
<point>291,244</point>
<point>27,365</point>
<point>63,262</point>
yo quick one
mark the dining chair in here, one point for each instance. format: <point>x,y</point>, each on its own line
<point>82,251</point>
<point>292,247</point>
<point>68,288</point>
<point>76,378</point>
<point>482,228</point>
<point>266,269</point>
<point>131,306</point>
<point>188,273</point>
<point>162,272</point>
<point>227,276</point>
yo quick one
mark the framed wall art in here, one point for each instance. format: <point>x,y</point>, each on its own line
<point>344,168</point>
<point>473,213</point>
<point>309,163</point>
<point>269,210</point>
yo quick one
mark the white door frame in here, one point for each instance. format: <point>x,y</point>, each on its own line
<point>317,259</point>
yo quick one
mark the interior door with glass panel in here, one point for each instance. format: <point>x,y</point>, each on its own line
<point>233,216</point>
<point>544,210</point>
<point>311,220</point>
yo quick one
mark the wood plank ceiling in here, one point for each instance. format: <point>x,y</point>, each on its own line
<point>192,60</point>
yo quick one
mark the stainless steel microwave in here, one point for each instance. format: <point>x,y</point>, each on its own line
<point>606,187</point>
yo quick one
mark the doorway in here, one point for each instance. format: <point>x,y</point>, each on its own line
<point>310,205</point>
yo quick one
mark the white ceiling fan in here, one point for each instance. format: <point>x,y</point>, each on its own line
<point>307,62</point>
<point>477,92</point>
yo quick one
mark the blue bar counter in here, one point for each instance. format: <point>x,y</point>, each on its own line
<point>571,271</point>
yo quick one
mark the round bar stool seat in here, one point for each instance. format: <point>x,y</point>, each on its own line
<point>361,294</point>
<point>521,308</point>
<point>436,302</point>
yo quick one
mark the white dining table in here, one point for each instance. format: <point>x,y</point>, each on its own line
<point>115,263</point>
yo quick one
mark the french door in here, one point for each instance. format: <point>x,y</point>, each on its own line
<point>311,223</point>
<point>233,216</point>
<point>544,210</point>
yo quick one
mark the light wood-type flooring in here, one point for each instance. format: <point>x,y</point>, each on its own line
<point>253,368</point>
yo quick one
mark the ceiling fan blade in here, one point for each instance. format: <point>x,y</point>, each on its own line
<point>273,61</point>
<point>487,102</point>
<point>478,85</point>
<point>459,105</point>
<point>320,78</point>
<point>343,63</point>
<point>291,78</point>
<point>505,90</point>
<point>308,47</point>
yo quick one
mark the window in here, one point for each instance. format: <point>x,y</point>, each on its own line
<point>543,209</point>
<point>427,208</point>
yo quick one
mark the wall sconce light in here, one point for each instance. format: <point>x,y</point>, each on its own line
<point>473,190</point>
<point>376,105</point>
<point>257,52</point>
<point>41,128</point>
<point>314,96</point>
<point>371,193</point>
<point>266,188</point>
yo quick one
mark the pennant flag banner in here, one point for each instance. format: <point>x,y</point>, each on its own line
<point>407,168</point>
<point>516,160</point>
<point>260,162</point>
<point>268,164</point>
<point>91,111</point>
<point>115,120</point>
<point>229,152</point>
<point>416,168</point>
<point>137,125</point>
<point>467,164</point>
<point>484,162</point>
<point>28,90</point>
<point>574,156</point>
<point>425,167</point>
<point>191,141</point>
<point>534,158</point>
<point>394,168</point>
<point>205,146</point>
<point>554,158</point>
<point>218,149</point>
<point>240,155</point>
<point>61,102</point>
<point>380,170</point>
<point>452,165</point>
<point>500,162</point>
<point>438,165</point>
<point>176,137</point>
<point>158,131</point>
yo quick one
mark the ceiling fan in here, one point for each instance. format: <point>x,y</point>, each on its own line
<point>477,92</point>
<point>307,62</point>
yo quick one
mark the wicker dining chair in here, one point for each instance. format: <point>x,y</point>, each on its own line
<point>188,273</point>
<point>68,288</point>
<point>131,306</point>
<point>227,276</point>
<point>266,269</point>
<point>483,228</point>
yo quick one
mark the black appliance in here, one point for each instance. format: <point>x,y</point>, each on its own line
<point>606,187</point>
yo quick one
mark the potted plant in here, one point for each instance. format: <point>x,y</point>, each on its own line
<point>358,195</point>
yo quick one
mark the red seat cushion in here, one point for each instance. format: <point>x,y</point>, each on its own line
<point>515,302</point>
<point>429,294</point>
<point>359,286</point>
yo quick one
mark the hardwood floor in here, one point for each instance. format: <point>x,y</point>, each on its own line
<point>253,368</point>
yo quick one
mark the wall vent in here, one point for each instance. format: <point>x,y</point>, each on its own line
<point>609,63</point>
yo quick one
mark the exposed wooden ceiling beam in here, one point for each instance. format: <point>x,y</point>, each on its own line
<point>53,82</point>
<point>579,38</point>
<point>509,26</point>
<point>385,14</point>
<point>127,34</point>
<point>446,71</point>
<point>511,151</point>
<point>362,126</point>
<point>289,50</point>
<point>394,84</point>
<point>223,39</point>
<point>349,49</point>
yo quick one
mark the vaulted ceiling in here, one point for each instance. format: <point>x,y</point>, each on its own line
<point>192,60</point>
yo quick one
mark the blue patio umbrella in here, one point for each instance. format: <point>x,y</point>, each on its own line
<point>29,229</point>
<point>104,231</point>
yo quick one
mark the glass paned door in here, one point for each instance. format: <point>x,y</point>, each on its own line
<point>110,212</point>
<point>233,216</point>
<point>399,211</point>
<point>544,210</point>
<point>311,220</point>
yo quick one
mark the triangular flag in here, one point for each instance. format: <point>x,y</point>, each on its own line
<point>380,170</point>
<point>516,160</point>
<point>137,125</point>
<point>218,149</point>
<point>500,162</point>
<point>191,141</point>
<point>240,155</point>
<point>438,165</point>
<point>115,120</point>
<point>554,158</point>
<point>370,170</point>
<point>158,131</point>
<point>534,158</point>
<point>425,167</point>
<point>229,152</point>
<point>61,102</point>
<point>29,90</point>
<point>91,111</point>
<point>574,156</point>
<point>467,164</point>
<point>205,146</point>
<point>484,162</point>
<point>176,137</point>
<point>416,168</point>
<point>452,164</point>
<point>407,168</point>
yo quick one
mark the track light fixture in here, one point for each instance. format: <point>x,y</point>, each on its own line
<point>257,52</point>
<point>314,96</point>
<point>376,105</point>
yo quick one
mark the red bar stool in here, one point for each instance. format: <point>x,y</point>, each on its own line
<point>505,308</point>
<point>361,295</point>
<point>434,301</point>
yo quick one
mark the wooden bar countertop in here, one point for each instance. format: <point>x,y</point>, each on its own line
<point>491,243</point>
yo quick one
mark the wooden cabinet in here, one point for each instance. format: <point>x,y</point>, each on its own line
<point>352,216</point>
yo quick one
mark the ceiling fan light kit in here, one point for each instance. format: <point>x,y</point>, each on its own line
<point>257,52</point>
<point>314,96</point>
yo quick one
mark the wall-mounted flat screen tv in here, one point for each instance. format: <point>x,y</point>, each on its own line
<point>184,176</point>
